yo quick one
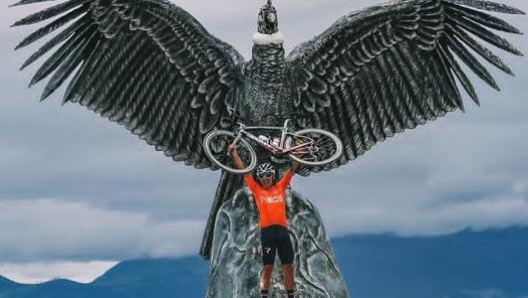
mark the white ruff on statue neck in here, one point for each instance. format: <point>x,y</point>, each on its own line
<point>264,39</point>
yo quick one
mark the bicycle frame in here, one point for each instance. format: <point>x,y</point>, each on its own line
<point>244,131</point>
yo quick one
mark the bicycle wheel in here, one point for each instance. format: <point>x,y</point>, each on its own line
<point>215,145</point>
<point>325,147</point>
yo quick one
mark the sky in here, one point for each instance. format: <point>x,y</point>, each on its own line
<point>79,193</point>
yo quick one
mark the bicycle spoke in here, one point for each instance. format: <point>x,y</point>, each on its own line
<point>317,147</point>
<point>218,150</point>
<point>325,142</point>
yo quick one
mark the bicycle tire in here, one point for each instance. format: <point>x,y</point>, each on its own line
<point>327,151</point>
<point>215,146</point>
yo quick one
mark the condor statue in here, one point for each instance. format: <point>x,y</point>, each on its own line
<point>152,67</point>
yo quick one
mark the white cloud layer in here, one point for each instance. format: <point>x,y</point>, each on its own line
<point>434,180</point>
<point>38,272</point>
<point>36,230</point>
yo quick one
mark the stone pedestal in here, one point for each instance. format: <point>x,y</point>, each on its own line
<point>236,257</point>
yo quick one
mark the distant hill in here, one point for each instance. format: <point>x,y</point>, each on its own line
<point>7,284</point>
<point>488,264</point>
<point>150,278</point>
<point>158,278</point>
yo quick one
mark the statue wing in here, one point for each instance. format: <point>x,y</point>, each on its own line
<point>145,64</point>
<point>383,70</point>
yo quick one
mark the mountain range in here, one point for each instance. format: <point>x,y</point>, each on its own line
<point>467,264</point>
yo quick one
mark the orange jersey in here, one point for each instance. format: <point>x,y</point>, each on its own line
<point>271,202</point>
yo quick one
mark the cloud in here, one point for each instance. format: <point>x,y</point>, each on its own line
<point>497,212</point>
<point>434,180</point>
<point>53,230</point>
<point>38,272</point>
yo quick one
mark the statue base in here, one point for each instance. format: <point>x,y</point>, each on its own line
<point>236,261</point>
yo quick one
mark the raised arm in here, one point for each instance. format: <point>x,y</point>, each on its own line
<point>294,166</point>
<point>248,178</point>
<point>236,157</point>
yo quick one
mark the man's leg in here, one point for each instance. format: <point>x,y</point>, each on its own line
<point>286,256</point>
<point>267,270</point>
<point>268,258</point>
<point>289,282</point>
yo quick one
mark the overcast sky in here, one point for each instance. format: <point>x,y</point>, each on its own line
<point>78,193</point>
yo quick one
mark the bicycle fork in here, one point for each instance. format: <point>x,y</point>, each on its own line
<point>284,133</point>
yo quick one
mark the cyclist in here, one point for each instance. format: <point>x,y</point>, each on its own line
<point>270,198</point>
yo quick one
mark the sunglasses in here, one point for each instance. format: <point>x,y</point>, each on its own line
<point>265,175</point>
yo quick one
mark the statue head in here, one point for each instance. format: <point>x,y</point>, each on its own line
<point>267,19</point>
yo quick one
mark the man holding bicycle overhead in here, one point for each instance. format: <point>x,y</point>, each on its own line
<point>270,198</point>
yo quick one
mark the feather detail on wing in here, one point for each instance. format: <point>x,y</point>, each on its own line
<point>146,64</point>
<point>380,71</point>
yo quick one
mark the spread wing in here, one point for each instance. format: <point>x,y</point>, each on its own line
<point>146,64</point>
<point>380,71</point>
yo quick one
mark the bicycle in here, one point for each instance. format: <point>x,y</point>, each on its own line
<point>312,146</point>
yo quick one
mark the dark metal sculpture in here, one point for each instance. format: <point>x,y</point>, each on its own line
<point>150,66</point>
<point>236,260</point>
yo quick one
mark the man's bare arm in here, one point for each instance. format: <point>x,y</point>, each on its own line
<point>236,157</point>
<point>294,166</point>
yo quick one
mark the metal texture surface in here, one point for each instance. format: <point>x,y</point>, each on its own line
<point>236,252</point>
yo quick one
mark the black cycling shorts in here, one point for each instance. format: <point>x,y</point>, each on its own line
<point>276,238</point>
